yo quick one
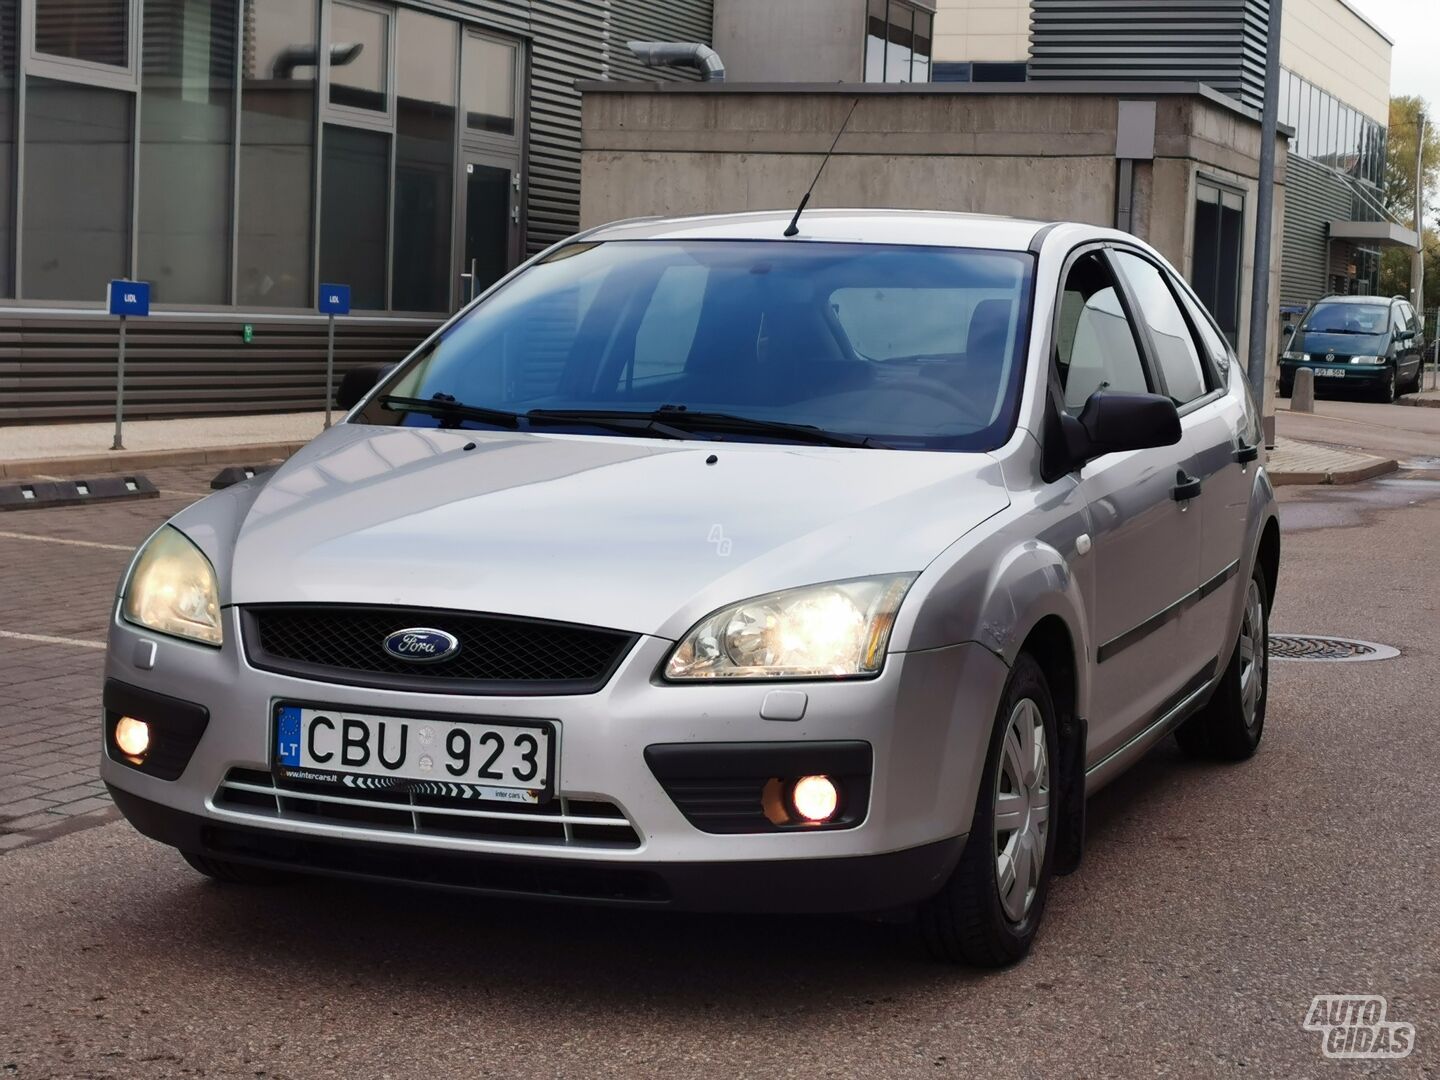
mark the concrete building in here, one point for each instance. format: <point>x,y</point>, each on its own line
<point>236,153</point>
<point>1334,95</point>
<point>1157,159</point>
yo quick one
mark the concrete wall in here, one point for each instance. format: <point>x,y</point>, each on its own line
<point>791,40</point>
<point>1046,156</point>
<point>982,30</point>
<point>1337,49</point>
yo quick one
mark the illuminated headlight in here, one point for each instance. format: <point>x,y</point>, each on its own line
<point>1367,359</point>
<point>1300,356</point>
<point>838,630</point>
<point>172,589</point>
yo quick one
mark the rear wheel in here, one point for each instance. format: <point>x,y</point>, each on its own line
<point>233,873</point>
<point>1231,724</point>
<point>989,910</point>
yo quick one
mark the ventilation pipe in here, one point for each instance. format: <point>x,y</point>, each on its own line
<point>687,54</point>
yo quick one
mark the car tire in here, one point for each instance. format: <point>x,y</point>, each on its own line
<point>233,873</point>
<point>1231,724</point>
<point>975,919</point>
<point>1388,390</point>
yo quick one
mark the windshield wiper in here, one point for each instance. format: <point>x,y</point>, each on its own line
<point>679,419</point>
<point>446,407</point>
<point>1343,330</point>
<point>622,422</point>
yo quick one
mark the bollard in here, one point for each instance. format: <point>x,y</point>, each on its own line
<point>1302,394</point>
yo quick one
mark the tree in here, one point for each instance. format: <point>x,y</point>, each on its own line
<point>1405,115</point>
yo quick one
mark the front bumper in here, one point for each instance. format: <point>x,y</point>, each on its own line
<point>1354,376</point>
<point>926,719</point>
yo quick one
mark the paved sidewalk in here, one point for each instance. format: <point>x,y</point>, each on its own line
<point>29,450</point>
<point>1296,462</point>
<point>1429,398</point>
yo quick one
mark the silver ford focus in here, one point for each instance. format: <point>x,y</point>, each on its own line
<point>698,566</point>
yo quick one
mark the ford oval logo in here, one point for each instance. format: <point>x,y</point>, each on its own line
<point>421,645</point>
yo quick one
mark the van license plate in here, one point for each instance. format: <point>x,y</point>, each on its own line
<point>1329,373</point>
<point>473,759</point>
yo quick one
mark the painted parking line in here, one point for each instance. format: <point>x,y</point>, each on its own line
<point>64,540</point>
<point>48,639</point>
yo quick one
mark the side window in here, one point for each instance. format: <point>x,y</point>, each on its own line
<point>1205,330</point>
<point>1096,345</point>
<point>1175,350</point>
<point>667,329</point>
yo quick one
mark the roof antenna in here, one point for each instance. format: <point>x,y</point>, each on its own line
<point>794,226</point>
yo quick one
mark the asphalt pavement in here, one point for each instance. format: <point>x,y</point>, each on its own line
<point>1214,903</point>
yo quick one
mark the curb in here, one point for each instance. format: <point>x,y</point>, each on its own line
<point>132,460</point>
<point>1424,403</point>
<point>1337,476</point>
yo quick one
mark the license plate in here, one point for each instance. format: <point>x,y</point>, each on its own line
<point>1329,373</point>
<point>473,759</point>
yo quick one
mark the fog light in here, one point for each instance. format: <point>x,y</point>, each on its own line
<point>815,798</point>
<point>132,737</point>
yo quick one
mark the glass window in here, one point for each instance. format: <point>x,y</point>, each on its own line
<point>1175,350</point>
<point>277,152</point>
<point>1302,130</point>
<point>875,42</point>
<point>8,33</point>
<point>425,49</point>
<point>359,57</point>
<point>353,197</point>
<point>488,73</point>
<point>77,189</point>
<point>97,31</point>
<point>1284,99</point>
<point>920,58</point>
<point>667,332</point>
<point>188,83</point>
<point>1096,346</point>
<point>747,328</point>
<point>1212,342</point>
<point>900,38</point>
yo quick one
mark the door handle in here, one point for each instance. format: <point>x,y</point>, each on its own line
<point>1186,487</point>
<point>1246,454</point>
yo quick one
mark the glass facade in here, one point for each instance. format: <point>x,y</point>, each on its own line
<point>1331,132</point>
<point>238,152</point>
<point>898,40</point>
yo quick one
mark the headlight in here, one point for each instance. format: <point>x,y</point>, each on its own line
<point>172,589</point>
<point>1367,359</point>
<point>837,630</point>
<point>1302,357</point>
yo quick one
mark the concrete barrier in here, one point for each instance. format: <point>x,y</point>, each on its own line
<point>1302,394</point>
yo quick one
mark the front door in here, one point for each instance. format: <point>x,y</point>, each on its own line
<point>1146,544</point>
<point>491,226</point>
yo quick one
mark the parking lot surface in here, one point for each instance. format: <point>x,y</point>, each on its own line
<point>1214,902</point>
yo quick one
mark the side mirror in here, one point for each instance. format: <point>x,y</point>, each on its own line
<point>356,383</point>
<point>1116,420</point>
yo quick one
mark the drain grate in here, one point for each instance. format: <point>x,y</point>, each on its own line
<point>1312,647</point>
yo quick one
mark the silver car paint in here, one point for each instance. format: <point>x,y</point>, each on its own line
<point>613,531</point>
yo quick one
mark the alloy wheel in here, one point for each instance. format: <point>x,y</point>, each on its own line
<point>1022,809</point>
<point>1253,653</point>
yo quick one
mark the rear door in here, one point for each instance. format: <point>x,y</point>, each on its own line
<point>1145,560</point>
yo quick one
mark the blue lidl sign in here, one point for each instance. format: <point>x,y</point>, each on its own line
<point>335,299</point>
<point>129,297</point>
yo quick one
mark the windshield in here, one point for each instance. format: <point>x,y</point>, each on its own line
<point>913,347</point>
<point>1332,318</point>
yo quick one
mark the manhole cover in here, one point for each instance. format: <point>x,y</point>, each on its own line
<point>1310,647</point>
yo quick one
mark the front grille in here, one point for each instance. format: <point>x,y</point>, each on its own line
<point>498,653</point>
<point>590,823</point>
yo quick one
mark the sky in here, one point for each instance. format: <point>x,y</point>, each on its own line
<point>1414,26</point>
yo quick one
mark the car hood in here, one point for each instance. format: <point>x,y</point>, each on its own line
<point>636,534</point>
<point>1319,344</point>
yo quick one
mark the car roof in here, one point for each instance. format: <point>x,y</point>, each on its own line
<point>936,228</point>
<point>1359,299</point>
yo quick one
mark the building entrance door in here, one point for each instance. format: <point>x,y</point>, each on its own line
<point>491,226</point>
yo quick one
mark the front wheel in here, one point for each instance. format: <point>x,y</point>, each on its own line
<point>1231,724</point>
<point>1388,389</point>
<point>989,910</point>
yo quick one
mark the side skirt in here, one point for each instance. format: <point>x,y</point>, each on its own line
<point>1183,704</point>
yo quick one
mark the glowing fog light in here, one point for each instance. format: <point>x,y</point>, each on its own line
<point>132,737</point>
<point>815,798</point>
